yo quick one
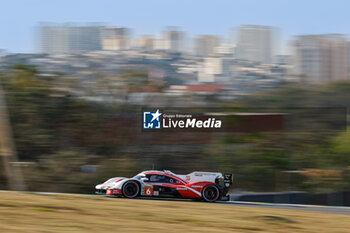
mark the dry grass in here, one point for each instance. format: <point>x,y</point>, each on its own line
<point>22,212</point>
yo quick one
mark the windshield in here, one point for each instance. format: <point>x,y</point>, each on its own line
<point>112,180</point>
<point>139,176</point>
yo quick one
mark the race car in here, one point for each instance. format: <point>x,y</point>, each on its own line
<point>207,186</point>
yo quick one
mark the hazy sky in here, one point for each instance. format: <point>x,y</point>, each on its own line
<point>18,18</point>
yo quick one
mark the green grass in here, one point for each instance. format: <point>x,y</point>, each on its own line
<point>26,212</point>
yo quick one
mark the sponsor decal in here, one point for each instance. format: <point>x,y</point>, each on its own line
<point>116,191</point>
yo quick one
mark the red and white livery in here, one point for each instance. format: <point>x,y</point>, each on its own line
<point>208,186</point>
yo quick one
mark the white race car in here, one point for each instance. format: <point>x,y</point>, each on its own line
<point>209,186</point>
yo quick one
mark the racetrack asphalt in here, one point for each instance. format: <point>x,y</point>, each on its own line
<point>314,208</point>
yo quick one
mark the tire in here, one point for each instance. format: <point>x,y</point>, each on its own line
<point>210,193</point>
<point>131,189</point>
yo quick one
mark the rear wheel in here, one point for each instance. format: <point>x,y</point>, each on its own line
<point>210,193</point>
<point>131,189</point>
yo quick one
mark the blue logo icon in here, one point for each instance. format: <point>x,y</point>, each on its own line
<point>151,120</point>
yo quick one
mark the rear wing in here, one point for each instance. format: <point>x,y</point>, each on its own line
<point>202,176</point>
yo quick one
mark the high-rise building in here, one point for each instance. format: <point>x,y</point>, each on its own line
<point>114,38</point>
<point>206,45</point>
<point>145,42</point>
<point>348,56</point>
<point>215,69</point>
<point>224,50</point>
<point>321,58</point>
<point>172,40</point>
<point>58,39</point>
<point>53,39</point>
<point>255,43</point>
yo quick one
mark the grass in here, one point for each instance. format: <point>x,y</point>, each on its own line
<point>27,212</point>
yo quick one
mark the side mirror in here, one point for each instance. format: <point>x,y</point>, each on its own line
<point>144,179</point>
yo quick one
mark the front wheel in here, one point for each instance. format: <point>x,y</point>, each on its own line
<point>131,189</point>
<point>210,193</point>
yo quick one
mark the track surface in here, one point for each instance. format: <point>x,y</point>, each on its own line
<point>314,208</point>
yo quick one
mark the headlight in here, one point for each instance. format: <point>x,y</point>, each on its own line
<point>109,191</point>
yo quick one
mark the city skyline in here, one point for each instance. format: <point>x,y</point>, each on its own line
<point>151,17</point>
